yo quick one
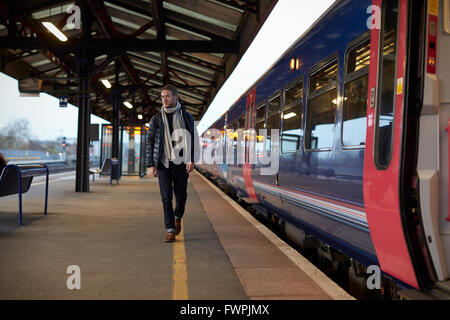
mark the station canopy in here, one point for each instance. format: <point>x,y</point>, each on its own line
<point>137,45</point>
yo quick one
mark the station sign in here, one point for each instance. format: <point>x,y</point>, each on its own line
<point>63,102</point>
<point>30,87</point>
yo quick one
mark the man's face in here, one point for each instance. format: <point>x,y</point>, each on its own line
<point>168,99</point>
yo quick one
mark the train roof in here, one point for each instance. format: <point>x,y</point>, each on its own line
<point>286,52</point>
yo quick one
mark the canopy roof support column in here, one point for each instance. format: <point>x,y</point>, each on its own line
<point>86,64</point>
<point>116,108</point>
<point>84,120</point>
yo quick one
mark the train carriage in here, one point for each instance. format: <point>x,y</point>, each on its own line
<point>361,102</point>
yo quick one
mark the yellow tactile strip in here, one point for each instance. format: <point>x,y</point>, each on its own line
<point>180,275</point>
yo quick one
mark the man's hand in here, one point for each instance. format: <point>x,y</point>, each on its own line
<point>189,167</point>
<point>153,171</point>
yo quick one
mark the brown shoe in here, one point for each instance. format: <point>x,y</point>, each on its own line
<point>170,237</point>
<point>178,225</point>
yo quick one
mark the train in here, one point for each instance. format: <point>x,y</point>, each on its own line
<point>356,113</point>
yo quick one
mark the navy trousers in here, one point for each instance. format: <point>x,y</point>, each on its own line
<point>173,180</point>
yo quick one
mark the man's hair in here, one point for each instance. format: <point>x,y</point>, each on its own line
<point>170,88</point>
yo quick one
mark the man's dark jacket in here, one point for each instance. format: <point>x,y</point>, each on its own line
<point>155,141</point>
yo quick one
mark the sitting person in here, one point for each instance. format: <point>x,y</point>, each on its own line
<point>3,162</point>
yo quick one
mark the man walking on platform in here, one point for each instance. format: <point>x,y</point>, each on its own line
<point>164,157</point>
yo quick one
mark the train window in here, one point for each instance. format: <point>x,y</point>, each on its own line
<point>321,111</point>
<point>273,119</point>
<point>233,136</point>
<point>324,77</point>
<point>358,58</point>
<point>236,125</point>
<point>260,124</point>
<point>292,119</point>
<point>386,86</point>
<point>260,117</point>
<point>355,96</point>
<point>241,124</point>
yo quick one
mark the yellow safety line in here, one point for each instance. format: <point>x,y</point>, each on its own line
<point>180,284</point>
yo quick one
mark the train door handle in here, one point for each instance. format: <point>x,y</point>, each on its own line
<point>277,181</point>
<point>448,168</point>
<point>373,94</point>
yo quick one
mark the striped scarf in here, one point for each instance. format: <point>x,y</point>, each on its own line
<point>177,123</point>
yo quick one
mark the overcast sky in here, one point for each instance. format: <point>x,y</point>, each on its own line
<point>287,22</point>
<point>47,120</point>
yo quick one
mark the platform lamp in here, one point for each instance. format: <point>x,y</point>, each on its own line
<point>106,83</point>
<point>53,29</point>
<point>128,105</point>
<point>56,32</point>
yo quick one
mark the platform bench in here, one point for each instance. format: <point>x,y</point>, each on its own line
<point>16,179</point>
<point>109,166</point>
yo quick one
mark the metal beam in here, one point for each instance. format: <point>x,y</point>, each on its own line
<point>149,87</point>
<point>198,61</point>
<point>20,55</point>
<point>135,6</point>
<point>12,27</point>
<point>37,6</point>
<point>174,18</point>
<point>117,101</point>
<point>104,46</point>
<point>250,5</point>
<point>158,18</point>
<point>202,27</point>
<point>108,28</point>
<point>176,67</point>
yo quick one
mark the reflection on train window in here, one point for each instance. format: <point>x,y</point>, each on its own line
<point>355,97</point>
<point>323,78</point>
<point>292,119</point>
<point>235,125</point>
<point>260,117</point>
<point>321,111</point>
<point>358,58</point>
<point>273,119</point>
<point>386,86</point>
<point>241,124</point>
<point>260,124</point>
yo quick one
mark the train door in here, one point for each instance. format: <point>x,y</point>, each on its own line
<point>269,183</point>
<point>390,166</point>
<point>290,165</point>
<point>224,166</point>
<point>434,134</point>
<point>249,137</point>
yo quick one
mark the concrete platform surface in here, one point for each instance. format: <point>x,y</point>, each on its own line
<point>110,242</point>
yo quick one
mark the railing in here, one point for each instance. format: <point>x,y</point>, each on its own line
<point>34,161</point>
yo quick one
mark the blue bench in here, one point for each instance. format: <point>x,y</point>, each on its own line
<point>109,166</point>
<point>17,179</point>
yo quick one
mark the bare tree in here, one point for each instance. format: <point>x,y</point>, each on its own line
<point>15,134</point>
